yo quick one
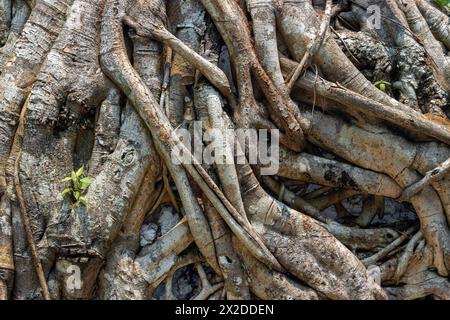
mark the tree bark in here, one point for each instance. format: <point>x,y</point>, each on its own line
<point>122,175</point>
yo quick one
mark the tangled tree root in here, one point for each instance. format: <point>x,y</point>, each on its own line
<point>362,114</point>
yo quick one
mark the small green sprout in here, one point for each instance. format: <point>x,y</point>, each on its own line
<point>442,4</point>
<point>79,185</point>
<point>382,85</point>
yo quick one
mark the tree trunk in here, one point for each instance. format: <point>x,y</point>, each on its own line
<point>133,161</point>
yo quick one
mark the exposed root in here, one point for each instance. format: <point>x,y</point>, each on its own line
<point>437,21</point>
<point>23,210</point>
<point>106,85</point>
<point>385,251</point>
<point>429,178</point>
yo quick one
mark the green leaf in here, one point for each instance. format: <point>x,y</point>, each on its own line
<point>66,191</point>
<point>83,201</point>
<point>80,171</point>
<point>76,195</point>
<point>442,3</point>
<point>66,179</point>
<point>75,181</point>
<point>85,183</point>
<point>74,177</point>
<point>381,84</point>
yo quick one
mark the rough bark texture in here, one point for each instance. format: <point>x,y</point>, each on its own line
<point>358,208</point>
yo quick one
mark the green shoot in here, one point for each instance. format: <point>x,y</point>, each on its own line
<point>382,85</point>
<point>78,187</point>
<point>442,4</point>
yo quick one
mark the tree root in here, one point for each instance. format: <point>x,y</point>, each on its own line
<point>427,204</point>
<point>23,211</point>
<point>429,178</point>
<point>406,257</point>
<point>236,34</point>
<point>385,251</point>
<point>161,131</point>
<point>439,61</point>
<point>313,46</point>
<point>284,232</point>
<point>313,169</point>
<point>24,64</point>
<point>268,284</point>
<point>437,21</point>
<point>419,282</point>
<point>109,81</point>
<point>398,115</point>
<point>373,206</point>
